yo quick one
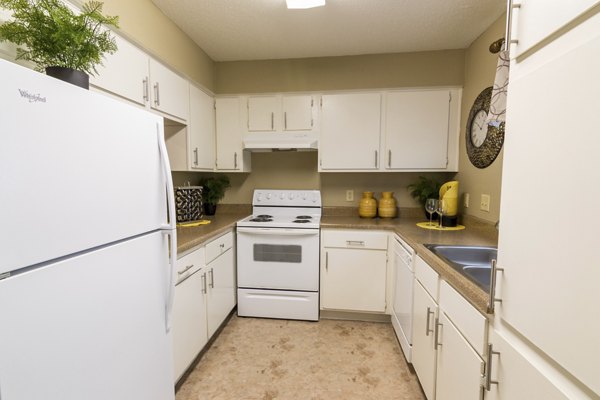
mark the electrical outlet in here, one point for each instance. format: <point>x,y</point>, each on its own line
<point>485,202</point>
<point>349,195</point>
<point>466,200</point>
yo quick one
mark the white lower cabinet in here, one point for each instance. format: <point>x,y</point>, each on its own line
<point>353,270</point>
<point>204,297</point>
<point>189,311</point>
<point>423,351</point>
<point>514,375</point>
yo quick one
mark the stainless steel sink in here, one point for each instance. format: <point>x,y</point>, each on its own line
<point>474,262</point>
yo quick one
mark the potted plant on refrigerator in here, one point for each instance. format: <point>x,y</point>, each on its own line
<point>213,192</point>
<point>66,44</point>
<point>424,189</point>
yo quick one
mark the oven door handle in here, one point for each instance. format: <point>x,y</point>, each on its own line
<point>279,232</point>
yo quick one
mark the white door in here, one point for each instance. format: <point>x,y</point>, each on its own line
<point>229,134</point>
<point>169,91</point>
<point>189,321</point>
<point>89,327</point>
<point>350,130</point>
<point>125,73</point>
<point>201,131</point>
<point>297,113</point>
<point>423,351</point>
<point>263,113</point>
<point>220,275</point>
<point>550,281</point>
<point>517,376</point>
<point>416,129</point>
<point>353,279</point>
<point>539,21</point>
<point>459,367</point>
<point>94,161</point>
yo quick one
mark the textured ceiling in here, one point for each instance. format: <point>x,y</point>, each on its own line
<point>230,30</point>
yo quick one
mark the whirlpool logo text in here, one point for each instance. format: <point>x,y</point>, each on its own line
<point>33,98</point>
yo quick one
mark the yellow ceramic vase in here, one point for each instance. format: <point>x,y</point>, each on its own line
<point>367,207</point>
<point>387,205</point>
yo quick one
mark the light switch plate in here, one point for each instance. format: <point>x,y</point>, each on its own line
<point>485,202</point>
<point>349,195</point>
<point>466,200</point>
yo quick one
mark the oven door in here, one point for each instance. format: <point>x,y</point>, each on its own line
<point>277,258</point>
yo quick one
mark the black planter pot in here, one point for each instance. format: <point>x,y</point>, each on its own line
<point>74,77</point>
<point>210,209</point>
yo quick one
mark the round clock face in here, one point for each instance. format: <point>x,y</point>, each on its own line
<point>479,128</point>
<point>483,141</point>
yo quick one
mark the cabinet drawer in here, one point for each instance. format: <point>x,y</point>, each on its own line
<point>428,277</point>
<point>355,239</point>
<point>188,264</point>
<point>218,246</point>
<point>470,322</point>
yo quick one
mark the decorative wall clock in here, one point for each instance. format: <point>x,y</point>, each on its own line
<point>484,141</point>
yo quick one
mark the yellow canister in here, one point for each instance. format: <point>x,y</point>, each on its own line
<point>387,205</point>
<point>367,207</point>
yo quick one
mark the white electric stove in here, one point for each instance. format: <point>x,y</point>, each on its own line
<point>278,255</point>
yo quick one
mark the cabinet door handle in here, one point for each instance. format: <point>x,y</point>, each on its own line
<point>212,279</point>
<point>327,261</point>
<point>355,242</point>
<point>272,121</point>
<point>427,329</point>
<point>492,300</point>
<point>389,159</point>
<point>186,269</point>
<point>203,283</point>
<point>488,368</point>
<point>196,156</point>
<point>156,94</point>
<point>235,160</point>
<point>436,335</point>
<point>285,120</point>
<point>145,88</point>
<point>376,158</point>
<point>509,13</point>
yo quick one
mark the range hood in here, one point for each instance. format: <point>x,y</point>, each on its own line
<point>262,142</point>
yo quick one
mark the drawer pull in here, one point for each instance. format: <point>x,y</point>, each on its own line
<point>355,242</point>
<point>186,269</point>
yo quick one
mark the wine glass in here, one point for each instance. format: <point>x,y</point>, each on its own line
<point>431,207</point>
<point>441,209</point>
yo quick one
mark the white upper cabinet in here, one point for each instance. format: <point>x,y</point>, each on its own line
<point>298,112</point>
<point>539,21</point>
<point>201,131</point>
<point>350,132</point>
<point>280,113</point>
<point>124,73</point>
<point>263,112</point>
<point>169,91</point>
<point>417,129</point>
<point>230,153</point>
<point>549,286</point>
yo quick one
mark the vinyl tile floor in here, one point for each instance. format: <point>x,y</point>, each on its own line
<point>266,359</point>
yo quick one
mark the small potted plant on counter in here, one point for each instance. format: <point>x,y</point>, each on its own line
<point>66,44</point>
<point>213,192</point>
<point>424,189</point>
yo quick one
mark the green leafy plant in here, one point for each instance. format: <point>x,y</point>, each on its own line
<point>424,189</point>
<point>50,34</point>
<point>214,189</point>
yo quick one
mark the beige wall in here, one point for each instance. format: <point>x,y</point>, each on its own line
<point>480,68</point>
<point>433,68</point>
<point>142,22</point>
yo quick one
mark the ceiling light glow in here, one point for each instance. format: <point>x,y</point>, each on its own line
<point>302,4</point>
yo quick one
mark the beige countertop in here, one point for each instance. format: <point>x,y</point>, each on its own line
<point>476,233</point>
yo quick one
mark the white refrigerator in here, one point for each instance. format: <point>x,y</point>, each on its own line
<point>87,245</point>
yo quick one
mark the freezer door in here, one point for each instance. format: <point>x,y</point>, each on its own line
<point>78,169</point>
<point>90,327</point>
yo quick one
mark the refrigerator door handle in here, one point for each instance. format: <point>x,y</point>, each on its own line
<point>172,234</point>
<point>169,181</point>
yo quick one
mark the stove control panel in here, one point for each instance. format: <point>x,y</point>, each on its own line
<point>289,198</point>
